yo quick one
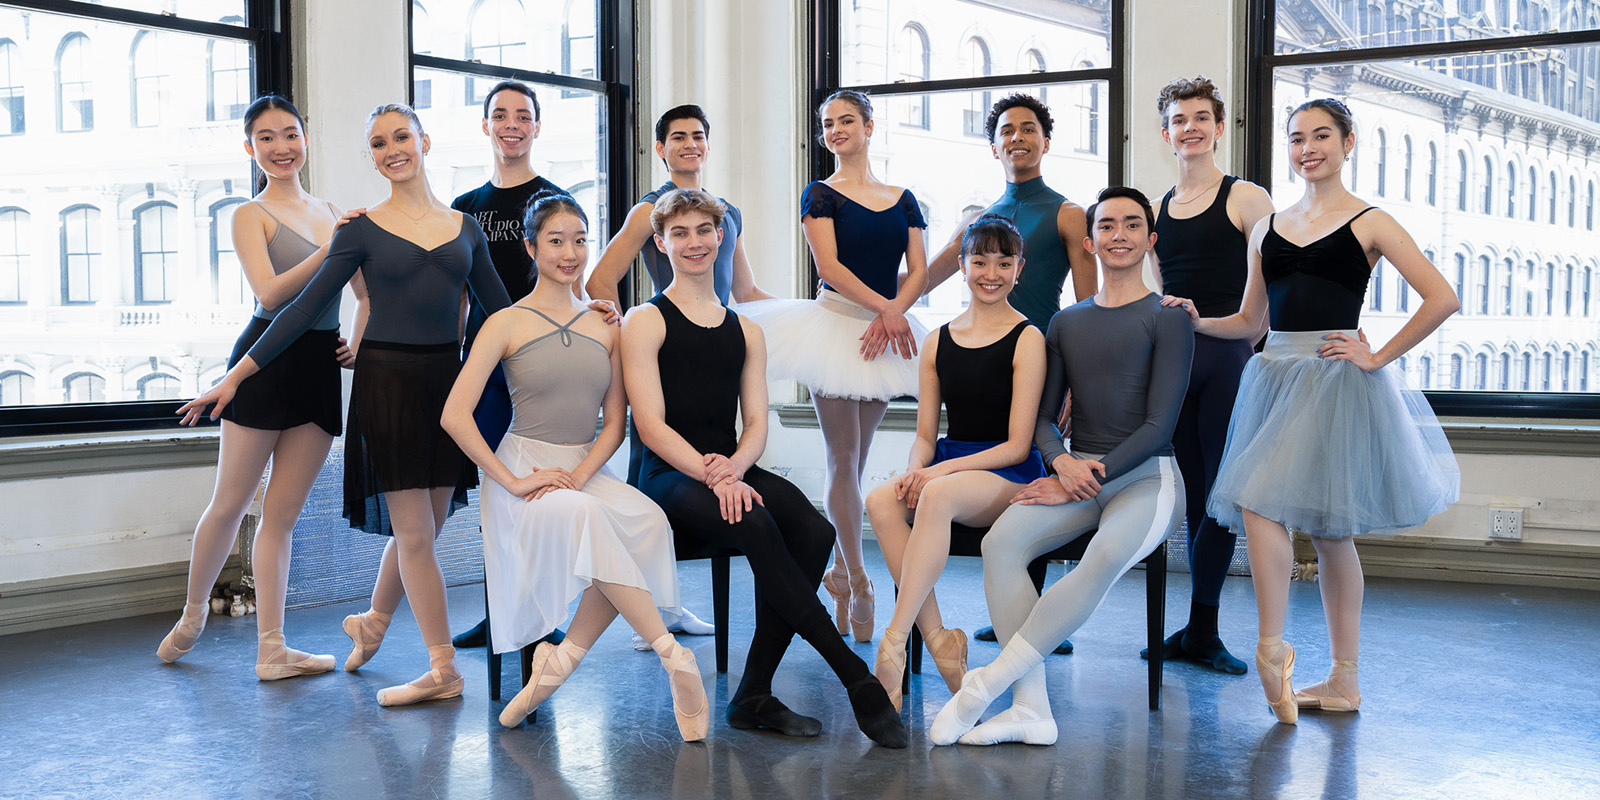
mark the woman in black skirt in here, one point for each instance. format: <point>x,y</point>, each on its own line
<point>289,412</point>
<point>403,473</point>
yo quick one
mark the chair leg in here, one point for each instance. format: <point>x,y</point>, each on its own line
<point>494,658</point>
<point>915,643</point>
<point>1155,583</point>
<point>1036,570</point>
<point>719,607</point>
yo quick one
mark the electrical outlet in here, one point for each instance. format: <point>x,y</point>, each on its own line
<point>1505,522</point>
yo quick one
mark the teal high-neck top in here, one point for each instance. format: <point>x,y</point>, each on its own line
<point>1033,207</point>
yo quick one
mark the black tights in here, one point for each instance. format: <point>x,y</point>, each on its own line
<point>1198,441</point>
<point>787,543</point>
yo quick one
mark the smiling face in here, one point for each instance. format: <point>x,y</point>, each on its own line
<point>990,276</point>
<point>1192,127</point>
<point>685,147</point>
<point>1316,148</point>
<point>277,144</point>
<point>1120,234</point>
<point>510,126</point>
<point>560,248</point>
<point>845,130</point>
<point>396,146</point>
<point>690,240</point>
<point>1019,140</point>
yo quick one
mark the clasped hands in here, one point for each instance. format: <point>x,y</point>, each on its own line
<point>725,477</point>
<point>1075,481</point>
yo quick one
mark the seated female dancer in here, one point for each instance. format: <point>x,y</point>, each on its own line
<point>691,365</point>
<point>402,473</point>
<point>970,476</point>
<point>1324,438</point>
<point>556,522</point>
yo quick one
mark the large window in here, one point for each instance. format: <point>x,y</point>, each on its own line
<point>1511,112</point>
<point>109,221</point>
<point>933,69</point>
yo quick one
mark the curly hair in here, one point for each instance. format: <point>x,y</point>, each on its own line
<point>1199,87</point>
<point>1018,100</point>
<point>685,201</point>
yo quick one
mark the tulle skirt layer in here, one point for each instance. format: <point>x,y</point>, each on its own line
<point>1322,447</point>
<point>818,344</point>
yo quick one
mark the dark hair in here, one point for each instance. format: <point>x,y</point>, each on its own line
<point>1340,112</point>
<point>540,208</point>
<point>685,201</point>
<point>515,86</point>
<point>269,102</point>
<point>1129,192</point>
<point>991,233</point>
<point>1018,100</point>
<point>1199,87</point>
<point>685,111</point>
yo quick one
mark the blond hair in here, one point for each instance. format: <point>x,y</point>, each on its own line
<point>685,201</point>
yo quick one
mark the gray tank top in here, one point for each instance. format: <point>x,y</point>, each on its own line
<point>558,382</point>
<point>287,249</point>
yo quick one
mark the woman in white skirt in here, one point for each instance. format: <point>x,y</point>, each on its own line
<point>853,346</point>
<point>556,523</point>
<point>1325,438</point>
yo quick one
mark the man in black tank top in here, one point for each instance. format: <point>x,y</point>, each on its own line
<point>1203,230</point>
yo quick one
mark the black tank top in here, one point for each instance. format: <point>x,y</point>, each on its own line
<point>1316,287</point>
<point>975,385</point>
<point>1203,257</point>
<point>700,369</point>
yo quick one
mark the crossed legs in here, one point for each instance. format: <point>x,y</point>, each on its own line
<point>847,430</point>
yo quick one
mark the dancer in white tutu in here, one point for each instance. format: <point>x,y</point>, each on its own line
<point>853,346</point>
<point>1325,439</point>
<point>556,523</point>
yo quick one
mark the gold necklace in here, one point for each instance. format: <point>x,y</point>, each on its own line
<point>1199,194</point>
<point>417,220</point>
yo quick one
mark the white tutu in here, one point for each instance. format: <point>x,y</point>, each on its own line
<point>539,555</point>
<point>1320,446</point>
<point>818,343</point>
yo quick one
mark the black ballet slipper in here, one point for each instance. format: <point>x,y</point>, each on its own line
<point>987,635</point>
<point>471,637</point>
<point>1171,647</point>
<point>1209,651</point>
<point>768,712</point>
<point>1063,649</point>
<point>876,716</point>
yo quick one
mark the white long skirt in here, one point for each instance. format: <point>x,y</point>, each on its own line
<point>539,555</point>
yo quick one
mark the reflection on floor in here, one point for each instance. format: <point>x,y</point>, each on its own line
<point>1468,691</point>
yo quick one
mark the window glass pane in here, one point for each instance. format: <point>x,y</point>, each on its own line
<point>105,226</point>
<point>1327,25</point>
<point>228,284</point>
<point>568,152</point>
<point>1509,270</point>
<point>969,178</point>
<point>1062,33</point>
<point>204,10</point>
<point>539,35</point>
<point>13,117</point>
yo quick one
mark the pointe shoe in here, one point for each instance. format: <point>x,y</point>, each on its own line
<point>679,662</point>
<point>180,640</point>
<point>438,683</point>
<point>366,632</point>
<point>951,723</point>
<point>837,582</point>
<point>1315,697</point>
<point>283,662</point>
<point>949,649</point>
<point>863,606</point>
<point>1285,708</point>
<point>551,667</point>
<point>890,665</point>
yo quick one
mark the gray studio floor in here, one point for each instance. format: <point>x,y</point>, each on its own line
<point>1469,692</point>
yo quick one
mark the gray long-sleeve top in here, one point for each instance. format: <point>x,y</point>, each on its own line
<point>1128,369</point>
<point>414,293</point>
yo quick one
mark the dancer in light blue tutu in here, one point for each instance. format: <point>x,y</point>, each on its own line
<point>1325,438</point>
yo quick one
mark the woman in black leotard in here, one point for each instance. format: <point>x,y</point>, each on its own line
<point>1324,439</point>
<point>690,365</point>
<point>1201,233</point>
<point>402,471</point>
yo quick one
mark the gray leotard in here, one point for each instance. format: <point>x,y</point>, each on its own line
<point>413,291</point>
<point>1130,366</point>
<point>721,271</point>
<point>558,382</point>
<point>285,252</point>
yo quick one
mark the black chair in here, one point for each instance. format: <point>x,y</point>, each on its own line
<point>968,541</point>
<point>721,558</point>
<point>494,658</point>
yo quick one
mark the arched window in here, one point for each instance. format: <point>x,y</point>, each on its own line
<point>159,386</point>
<point>1567,305</point>
<point>1090,114</point>
<point>227,277</point>
<point>83,387</point>
<point>914,66</point>
<point>493,28</point>
<point>1455,370</point>
<point>1546,367</point>
<point>74,95</point>
<point>1505,371</point>
<point>1483,284</point>
<point>155,253</point>
<point>1427,371</point>
<point>1549,289</point>
<point>577,40</point>
<point>1461,181</point>
<point>80,254</point>
<point>1033,62</point>
<point>1433,174</point>
<point>1533,193</point>
<point>1375,293</point>
<point>1552,198</point>
<point>1566,371</point>
<point>1527,289</point>
<point>1480,371</point>
<point>1588,209</point>
<point>1405,187</point>
<point>1527,371</point>
<point>1488,185</point>
<point>13,117</point>
<point>13,255</point>
<point>1507,270</point>
<point>149,80</point>
<point>1383,163</point>
<point>228,84</point>
<point>1583,371</point>
<point>1588,283</point>
<point>1461,281</point>
<point>1572,202</point>
<point>1511,190</point>
<point>975,56</point>
<point>422,44</point>
<point>16,388</point>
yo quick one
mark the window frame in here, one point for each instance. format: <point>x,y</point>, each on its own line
<point>141,249</point>
<point>1262,62</point>
<point>266,30</point>
<point>14,90</point>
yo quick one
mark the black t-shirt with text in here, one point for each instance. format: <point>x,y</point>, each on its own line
<point>499,214</point>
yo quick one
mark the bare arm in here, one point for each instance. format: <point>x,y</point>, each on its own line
<point>744,288</point>
<point>1391,241</point>
<point>1252,315</point>
<point>271,289</point>
<point>1073,227</point>
<point>619,254</point>
<point>487,349</point>
<point>752,398</point>
<point>1027,387</point>
<point>929,404</point>
<point>615,408</point>
<point>946,262</point>
<point>1248,205</point>
<point>643,332</point>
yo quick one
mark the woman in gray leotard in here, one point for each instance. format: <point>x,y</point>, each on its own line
<point>289,413</point>
<point>556,523</point>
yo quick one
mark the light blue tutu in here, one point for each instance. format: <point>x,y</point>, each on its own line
<point>1322,447</point>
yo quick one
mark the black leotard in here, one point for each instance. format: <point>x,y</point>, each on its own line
<point>975,385</point>
<point>701,410</point>
<point>1203,257</point>
<point>1315,287</point>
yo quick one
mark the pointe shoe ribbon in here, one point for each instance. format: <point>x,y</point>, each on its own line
<point>837,582</point>
<point>1312,696</point>
<point>890,665</point>
<point>283,661</point>
<point>863,606</point>
<point>550,668</point>
<point>181,639</point>
<point>364,643</point>
<point>1285,708</point>
<point>949,649</point>
<point>692,726</point>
